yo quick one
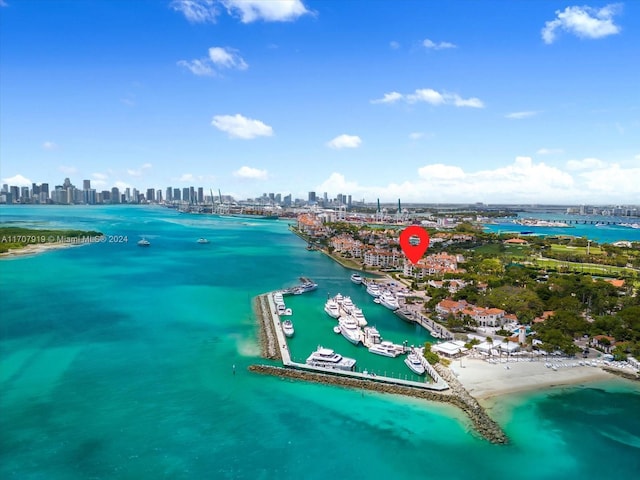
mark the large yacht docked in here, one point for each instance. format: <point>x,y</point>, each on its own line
<point>350,330</point>
<point>327,358</point>
<point>373,289</point>
<point>359,316</point>
<point>414,362</point>
<point>356,278</point>
<point>332,308</point>
<point>389,300</point>
<point>287,328</point>
<point>386,349</point>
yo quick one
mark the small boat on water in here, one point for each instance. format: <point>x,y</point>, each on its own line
<point>414,362</point>
<point>287,328</point>
<point>203,240</point>
<point>144,243</point>
<point>327,358</point>
<point>305,287</point>
<point>336,329</point>
<point>356,278</point>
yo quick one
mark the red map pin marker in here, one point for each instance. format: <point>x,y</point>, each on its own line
<point>412,250</point>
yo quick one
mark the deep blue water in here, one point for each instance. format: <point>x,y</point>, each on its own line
<point>116,362</point>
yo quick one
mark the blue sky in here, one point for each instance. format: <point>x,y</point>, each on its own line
<point>529,101</point>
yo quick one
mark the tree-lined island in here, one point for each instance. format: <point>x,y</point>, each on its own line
<point>24,241</point>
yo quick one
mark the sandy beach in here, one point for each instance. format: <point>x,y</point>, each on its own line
<point>485,380</point>
<point>36,249</point>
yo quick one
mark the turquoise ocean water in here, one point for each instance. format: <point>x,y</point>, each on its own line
<point>116,362</point>
<point>602,233</point>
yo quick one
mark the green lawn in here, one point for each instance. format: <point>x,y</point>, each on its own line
<point>591,268</point>
<point>580,250</point>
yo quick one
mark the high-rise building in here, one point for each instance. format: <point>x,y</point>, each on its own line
<point>200,195</point>
<point>115,195</point>
<point>159,195</point>
<point>86,184</point>
<point>151,195</point>
<point>169,195</point>
<point>176,194</point>
<point>348,200</point>
<point>312,197</point>
<point>185,194</point>
<point>287,200</point>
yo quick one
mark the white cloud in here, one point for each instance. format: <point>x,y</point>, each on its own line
<point>586,164</point>
<point>394,45</point>
<point>425,95</point>
<point>137,172</point>
<point>219,58</point>
<point>201,68</point>
<point>187,177</point>
<point>432,97</point>
<point>197,11</point>
<point>437,46</point>
<point>251,173</point>
<point>99,180</point>
<point>345,141</point>
<point>225,57</point>
<point>122,185</point>
<point>49,146</point>
<point>584,22</point>
<point>550,151</point>
<point>17,181</point>
<point>191,178</point>
<point>267,10</point>
<point>416,135</point>
<point>237,126</point>
<point>389,98</point>
<point>523,180</point>
<point>521,115</point>
<point>67,170</point>
<point>612,181</point>
<point>3,3</point>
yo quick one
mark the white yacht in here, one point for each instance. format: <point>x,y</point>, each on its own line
<point>327,358</point>
<point>203,240</point>
<point>332,308</point>
<point>389,300</point>
<point>371,336</point>
<point>349,329</point>
<point>385,348</point>
<point>144,243</point>
<point>359,316</point>
<point>277,297</point>
<point>338,298</point>
<point>287,328</point>
<point>373,289</point>
<point>282,308</point>
<point>414,362</point>
<point>347,305</point>
<point>356,278</point>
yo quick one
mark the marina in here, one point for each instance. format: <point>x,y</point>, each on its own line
<point>328,366</point>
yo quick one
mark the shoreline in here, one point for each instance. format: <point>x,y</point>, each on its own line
<point>486,381</point>
<point>36,249</point>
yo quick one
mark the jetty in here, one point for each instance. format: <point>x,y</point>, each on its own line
<point>444,388</point>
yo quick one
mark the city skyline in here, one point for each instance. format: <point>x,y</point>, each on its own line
<point>460,102</point>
